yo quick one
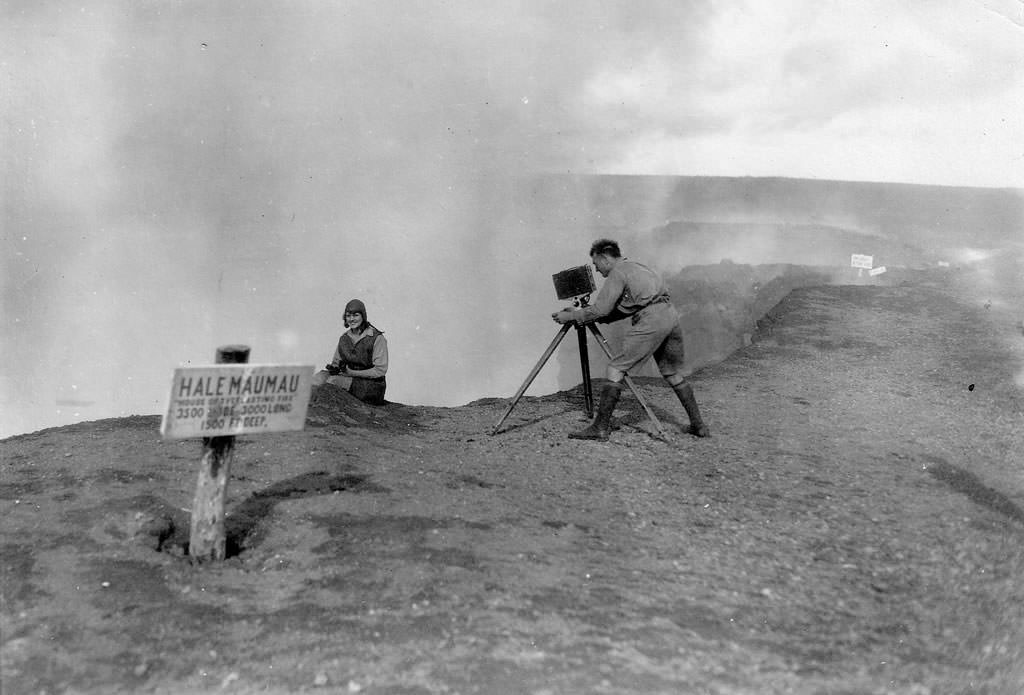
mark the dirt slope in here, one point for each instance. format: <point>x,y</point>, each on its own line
<point>855,525</point>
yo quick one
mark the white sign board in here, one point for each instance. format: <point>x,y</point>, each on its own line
<point>228,399</point>
<point>877,271</point>
<point>859,261</point>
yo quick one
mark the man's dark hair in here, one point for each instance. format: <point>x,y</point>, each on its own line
<point>606,247</point>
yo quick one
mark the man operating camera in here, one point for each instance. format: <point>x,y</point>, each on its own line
<point>635,292</point>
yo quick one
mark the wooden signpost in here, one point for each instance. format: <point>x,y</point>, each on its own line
<point>218,402</point>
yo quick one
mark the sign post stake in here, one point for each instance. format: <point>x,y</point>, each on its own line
<point>207,540</point>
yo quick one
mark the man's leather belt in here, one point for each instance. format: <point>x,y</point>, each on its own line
<point>660,299</point>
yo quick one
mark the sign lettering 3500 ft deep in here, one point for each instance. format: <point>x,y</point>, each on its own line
<point>229,399</point>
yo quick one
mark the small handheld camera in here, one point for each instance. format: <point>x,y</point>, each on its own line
<point>575,284</point>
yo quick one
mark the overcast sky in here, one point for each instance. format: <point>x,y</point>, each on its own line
<point>178,175</point>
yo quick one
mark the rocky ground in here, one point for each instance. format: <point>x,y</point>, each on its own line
<point>854,525</point>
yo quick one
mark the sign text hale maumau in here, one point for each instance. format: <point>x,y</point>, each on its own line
<point>230,399</point>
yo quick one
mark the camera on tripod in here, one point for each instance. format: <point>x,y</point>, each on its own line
<point>576,284</point>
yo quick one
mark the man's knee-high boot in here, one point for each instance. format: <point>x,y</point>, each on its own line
<point>685,393</point>
<point>601,427</point>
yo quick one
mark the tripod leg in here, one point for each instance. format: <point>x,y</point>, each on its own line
<point>588,389</point>
<point>603,342</point>
<point>533,374</point>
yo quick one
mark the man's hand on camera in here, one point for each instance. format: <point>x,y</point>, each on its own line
<point>563,316</point>
<point>332,369</point>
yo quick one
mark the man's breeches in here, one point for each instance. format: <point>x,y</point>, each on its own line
<point>656,333</point>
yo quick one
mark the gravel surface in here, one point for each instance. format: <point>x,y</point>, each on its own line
<point>855,524</point>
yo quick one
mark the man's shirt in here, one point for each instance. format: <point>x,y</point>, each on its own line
<point>629,287</point>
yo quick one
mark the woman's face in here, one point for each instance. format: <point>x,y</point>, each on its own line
<point>354,319</point>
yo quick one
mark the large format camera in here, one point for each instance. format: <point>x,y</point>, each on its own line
<point>574,283</point>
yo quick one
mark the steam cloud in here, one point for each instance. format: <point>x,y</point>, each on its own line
<point>188,175</point>
<point>180,176</point>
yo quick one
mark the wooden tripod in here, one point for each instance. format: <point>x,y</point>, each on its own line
<point>588,394</point>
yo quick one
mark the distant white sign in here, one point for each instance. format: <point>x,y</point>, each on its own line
<point>859,261</point>
<point>943,264</point>
<point>228,399</point>
<point>877,271</point>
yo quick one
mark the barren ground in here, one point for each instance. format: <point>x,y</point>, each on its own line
<point>854,525</point>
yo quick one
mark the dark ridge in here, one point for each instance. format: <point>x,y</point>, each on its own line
<point>968,484</point>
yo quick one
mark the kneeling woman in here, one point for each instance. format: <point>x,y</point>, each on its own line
<point>360,360</point>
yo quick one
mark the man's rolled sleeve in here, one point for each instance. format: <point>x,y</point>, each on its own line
<point>606,299</point>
